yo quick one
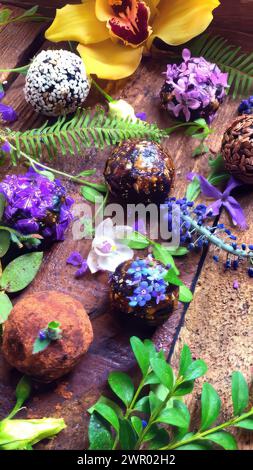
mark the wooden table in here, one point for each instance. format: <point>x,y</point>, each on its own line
<point>218,325</point>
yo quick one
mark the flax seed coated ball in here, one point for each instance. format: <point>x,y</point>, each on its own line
<point>140,171</point>
<point>29,317</point>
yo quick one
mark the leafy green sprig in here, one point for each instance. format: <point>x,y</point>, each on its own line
<point>46,336</point>
<point>6,16</point>
<point>22,434</point>
<point>153,415</point>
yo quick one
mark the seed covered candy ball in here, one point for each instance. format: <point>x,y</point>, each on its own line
<point>140,171</point>
<point>139,291</point>
<point>25,324</point>
<point>56,83</point>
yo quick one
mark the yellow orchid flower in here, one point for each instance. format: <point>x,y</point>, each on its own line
<point>113,34</point>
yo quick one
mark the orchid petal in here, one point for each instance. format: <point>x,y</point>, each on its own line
<point>77,23</point>
<point>232,183</point>
<point>110,60</point>
<point>92,262</point>
<point>181,20</point>
<point>214,207</point>
<point>105,229</point>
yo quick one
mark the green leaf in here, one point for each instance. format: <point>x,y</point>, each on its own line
<point>127,435</point>
<point>141,354</point>
<point>137,424</point>
<point>193,189</point>
<point>21,271</point>
<point>108,402</point>
<point>240,393</point>
<point>162,254</point>
<point>195,370</point>
<point>163,371</point>
<point>5,307</point>
<point>99,435</point>
<point>2,205</point>
<point>137,241</point>
<point>172,278</point>
<point>23,389</point>
<point>87,173</point>
<point>193,446</point>
<point>161,439</point>
<point>223,439</point>
<point>152,379</point>
<point>91,194</point>
<point>5,14</point>
<point>154,402</point>
<point>175,417</point>
<point>143,405</point>
<point>246,423</point>
<point>210,406</point>
<point>200,149</point>
<point>122,386</point>
<point>180,251</point>
<point>185,294</point>
<point>108,414</point>
<point>5,242</point>
<point>185,360</point>
<point>40,345</point>
<point>184,389</point>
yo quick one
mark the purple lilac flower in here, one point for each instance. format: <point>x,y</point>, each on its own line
<point>142,116</point>
<point>149,283</point>
<point>75,259</point>
<point>82,270</point>
<point>34,204</point>
<point>7,113</point>
<point>194,89</point>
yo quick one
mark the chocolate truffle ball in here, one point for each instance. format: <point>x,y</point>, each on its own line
<point>237,149</point>
<point>139,291</point>
<point>31,315</point>
<point>140,171</point>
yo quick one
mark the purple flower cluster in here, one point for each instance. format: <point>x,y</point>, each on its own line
<point>147,277</point>
<point>35,204</point>
<point>7,113</point>
<point>194,89</point>
<point>76,259</point>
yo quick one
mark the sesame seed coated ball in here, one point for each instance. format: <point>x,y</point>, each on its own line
<point>56,83</point>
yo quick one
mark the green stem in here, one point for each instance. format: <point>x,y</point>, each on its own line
<point>204,434</point>
<point>106,96</point>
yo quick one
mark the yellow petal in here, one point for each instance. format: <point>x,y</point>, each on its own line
<point>103,10</point>
<point>77,23</point>
<point>178,21</point>
<point>110,60</point>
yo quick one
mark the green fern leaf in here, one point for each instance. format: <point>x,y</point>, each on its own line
<point>230,59</point>
<point>84,130</point>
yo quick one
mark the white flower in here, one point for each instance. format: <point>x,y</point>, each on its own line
<point>122,109</point>
<point>107,252</point>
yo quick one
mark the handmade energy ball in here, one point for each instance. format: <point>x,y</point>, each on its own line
<point>139,291</point>
<point>29,317</point>
<point>140,171</point>
<point>193,89</point>
<point>237,149</point>
<point>56,83</point>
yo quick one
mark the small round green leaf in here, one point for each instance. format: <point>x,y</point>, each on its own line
<point>210,406</point>
<point>185,294</point>
<point>122,386</point>
<point>163,371</point>
<point>5,241</point>
<point>223,439</point>
<point>141,354</point>
<point>91,194</point>
<point>108,414</point>
<point>5,307</point>
<point>240,393</point>
<point>185,360</point>
<point>23,389</point>
<point>195,370</point>
<point>21,271</point>
<point>127,435</point>
<point>246,423</point>
<point>99,435</point>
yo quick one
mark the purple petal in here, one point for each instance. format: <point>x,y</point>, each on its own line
<point>186,54</point>
<point>6,147</point>
<point>82,270</point>
<point>7,113</point>
<point>187,113</point>
<point>1,95</point>
<point>27,226</point>
<point>141,116</point>
<point>208,189</point>
<point>190,176</point>
<point>75,259</point>
<point>214,207</point>
<point>236,284</point>
<point>236,212</point>
<point>232,183</point>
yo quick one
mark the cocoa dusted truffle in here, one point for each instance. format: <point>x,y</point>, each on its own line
<point>26,322</point>
<point>237,149</point>
<point>140,171</point>
<point>139,290</point>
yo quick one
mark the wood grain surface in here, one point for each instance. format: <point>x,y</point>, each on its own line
<point>218,324</point>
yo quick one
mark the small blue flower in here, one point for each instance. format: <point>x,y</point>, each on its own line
<point>144,423</point>
<point>42,335</point>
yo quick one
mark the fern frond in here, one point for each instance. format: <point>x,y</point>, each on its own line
<point>230,59</point>
<point>84,130</point>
